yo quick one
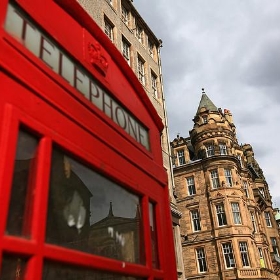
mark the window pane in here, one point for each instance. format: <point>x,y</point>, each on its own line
<point>155,258</point>
<point>13,268</point>
<point>22,186</point>
<point>90,213</point>
<point>56,271</point>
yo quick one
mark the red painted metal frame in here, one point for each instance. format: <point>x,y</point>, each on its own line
<point>35,97</point>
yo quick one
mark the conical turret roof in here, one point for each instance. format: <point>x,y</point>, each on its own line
<point>206,103</point>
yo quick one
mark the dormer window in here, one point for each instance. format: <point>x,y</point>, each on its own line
<point>205,119</point>
<point>181,157</point>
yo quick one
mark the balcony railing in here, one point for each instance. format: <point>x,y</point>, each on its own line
<point>248,273</point>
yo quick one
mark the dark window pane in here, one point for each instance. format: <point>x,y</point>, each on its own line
<point>22,186</point>
<point>155,258</point>
<point>12,268</point>
<point>90,213</point>
<point>55,271</point>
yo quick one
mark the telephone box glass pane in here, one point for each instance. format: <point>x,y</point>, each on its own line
<point>153,236</point>
<point>56,271</point>
<point>22,193</point>
<point>12,268</point>
<point>88,212</point>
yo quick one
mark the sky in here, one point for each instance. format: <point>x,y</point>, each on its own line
<point>231,48</point>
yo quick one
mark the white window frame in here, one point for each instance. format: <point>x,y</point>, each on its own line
<point>141,70</point>
<point>201,260</point>
<point>267,219</point>
<point>181,157</point>
<point>126,50</point>
<point>151,48</point>
<point>109,29</point>
<point>262,192</point>
<point>221,215</point>
<point>254,222</point>
<point>139,33</point>
<point>210,151</point>
<point>223,149</point>
<point>195,220</point>
<point>205,119</point>
<point>228,176</point>
<point>228,255</point>
<point>191,185</point>
<point>245,188</point>
<point>236,213</point>
<point>243,248</point>
<point>154,85</point>
<point>215,179</point>
<point>274,246</point>
<point>125,15</point>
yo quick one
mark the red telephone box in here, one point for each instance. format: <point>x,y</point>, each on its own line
<point>83,191</point>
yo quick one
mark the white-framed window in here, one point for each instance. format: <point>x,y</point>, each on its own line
<point>223,149</point>
<point>221,215</point>
<point>236,213</point>
<point>261,190</point>
<point>126,50</point>
<point>181,157</point>
<point>125,15</point>
<point>139,32</point>
<point>240,159</point>
<point>267,219</point>
<point>245,188</point>
<point>228,255</point>
<point>141,70</point>
<point>254,223</point>
<point>215,179</point>
<point>262,261</point>
<point>228,177</point>
<point>274,246</point>
<point>210,150</point>
<point>151,48</point>
<point>154,85</point>
<point>201,260</point>
<point>191,186</point>
<point>244,254</point>
<point>205,119</point>
<point>195,220</point>
<point>108,29</point>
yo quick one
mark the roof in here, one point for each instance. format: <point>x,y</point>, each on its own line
<point>206,103</point>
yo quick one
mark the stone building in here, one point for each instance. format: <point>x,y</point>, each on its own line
<point>140,47</point>
<point>228,226</point>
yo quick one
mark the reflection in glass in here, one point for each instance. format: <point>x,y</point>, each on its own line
<point>22,186</point>
<point>12,268</point>
<point>55,271</point>
<point>90,213</point>
<point>155,259</point>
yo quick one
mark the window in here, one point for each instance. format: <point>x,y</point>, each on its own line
<point>261,190</point>
<point>201,260</point>
<point>223,149</point>
<point>253,219</point>
<point>108,29</point>
<point>240,160</point>
<point>221,215</point>
<point>274,246</point>
<point>236,213</point>
<point>181,157</point>
<point>191,186</point>
<point>228,178</point>
<point>154,85</point>
<point>139,34</point>
<point>126,50</point>
<point>245,188</point>
<point>210,150</point>
<point>125,15</point>
<point>244,253</point>
<point>262,262</point>
<point>195,220</point>
<point>205,119</point>
<point>267,219</point>
<point>151,48</point>
<point>228,255</point>
<point>141,70</point>
<point>215,179</point>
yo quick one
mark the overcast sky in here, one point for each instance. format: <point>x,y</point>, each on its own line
<point>231,48</point>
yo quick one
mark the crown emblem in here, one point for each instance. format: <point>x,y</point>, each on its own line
<point>97,59</point>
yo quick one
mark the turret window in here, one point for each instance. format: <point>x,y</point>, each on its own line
<point>215,179</point>
<point>210,150</point>
<point>205,119</point>
<point>223,149</point>
<point>236,213</point>
<point>228,177</point>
